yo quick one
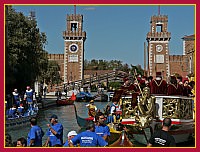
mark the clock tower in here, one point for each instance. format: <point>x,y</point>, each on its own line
<point>74,38</point>
<point>158,46</point>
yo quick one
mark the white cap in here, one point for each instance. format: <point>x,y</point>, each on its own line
<point>72,133</point>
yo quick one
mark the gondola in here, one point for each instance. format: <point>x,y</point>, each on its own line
<point>62,102</point>
<point>114,133</point>
<point>20,121</point>
<point>84,97</point>
<point>69,101</point>
<point>82,122</point>
<point>101,97</point>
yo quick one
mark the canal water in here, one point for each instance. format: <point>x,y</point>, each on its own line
<point>66,116</point>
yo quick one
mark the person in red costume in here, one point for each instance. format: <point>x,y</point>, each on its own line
<point>174,88</point>
<point>143,82</point>
<point>179,80</point>
<point>128,86</point>
<point>187,89</point>
<point>158,85</point>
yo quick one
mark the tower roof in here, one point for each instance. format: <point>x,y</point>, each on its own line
<point>189,37</point>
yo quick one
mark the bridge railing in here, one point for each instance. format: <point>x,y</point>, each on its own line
<point>115,75</point>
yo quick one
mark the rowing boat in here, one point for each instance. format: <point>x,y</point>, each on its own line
<point>82,122</point>
<point>84,97</point>
<point>64,102</point>
<point>69,101</point>
<point>22,120</point>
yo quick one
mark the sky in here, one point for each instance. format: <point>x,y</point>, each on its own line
<point>114,32</point>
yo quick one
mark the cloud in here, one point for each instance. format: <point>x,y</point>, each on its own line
<point>90,8</point>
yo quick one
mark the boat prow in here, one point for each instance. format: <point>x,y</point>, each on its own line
<point>123,141</point>
<point>82,122</point>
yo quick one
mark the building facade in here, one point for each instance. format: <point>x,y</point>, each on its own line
<point>189,51</point>
<point>74,38</point>
<point>158,46</point>
<point>159,59</point>
<point>59,58</point>
<point>158,54</point>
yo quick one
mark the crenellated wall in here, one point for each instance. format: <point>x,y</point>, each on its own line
<point>59,58</point>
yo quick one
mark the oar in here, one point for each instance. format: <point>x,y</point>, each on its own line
<point>122,141</point>
<point>138,82</point>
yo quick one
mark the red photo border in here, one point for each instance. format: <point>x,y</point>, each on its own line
<point>2,56</point>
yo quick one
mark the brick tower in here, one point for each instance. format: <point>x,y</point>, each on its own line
<point>158,46</point>
<point>74,38</point>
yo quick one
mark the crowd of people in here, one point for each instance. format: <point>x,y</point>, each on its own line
<point>174,86</point>
<point>97,132</point>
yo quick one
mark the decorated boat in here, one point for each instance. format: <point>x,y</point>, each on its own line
<point>69,101</point>
<point>143,115</point>
<point>20,120</point>
<point>115,132</point>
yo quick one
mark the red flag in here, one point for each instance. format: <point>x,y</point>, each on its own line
<point>73,97</point>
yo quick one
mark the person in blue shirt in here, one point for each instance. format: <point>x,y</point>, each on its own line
<point>12,112</point>
<point>115,112</point>
<point>70,135</point>
<point>54,133</point>
<point>101,128</point>
<point>35,134</point>
<point>88,138</point>
<point>16,97</point>
<point>20,110</point>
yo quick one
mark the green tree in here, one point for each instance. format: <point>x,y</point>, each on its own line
<point>114,85</point>
<point>126,68</point>
<point>136,68</point>
<point>25,54</point>
<point>52,74</point>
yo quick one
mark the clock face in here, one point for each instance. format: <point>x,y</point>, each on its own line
<point>73,48</point>
<point>159,48</point>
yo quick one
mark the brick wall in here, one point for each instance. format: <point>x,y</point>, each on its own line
<point>179,65</point>
<point>59,58</point>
